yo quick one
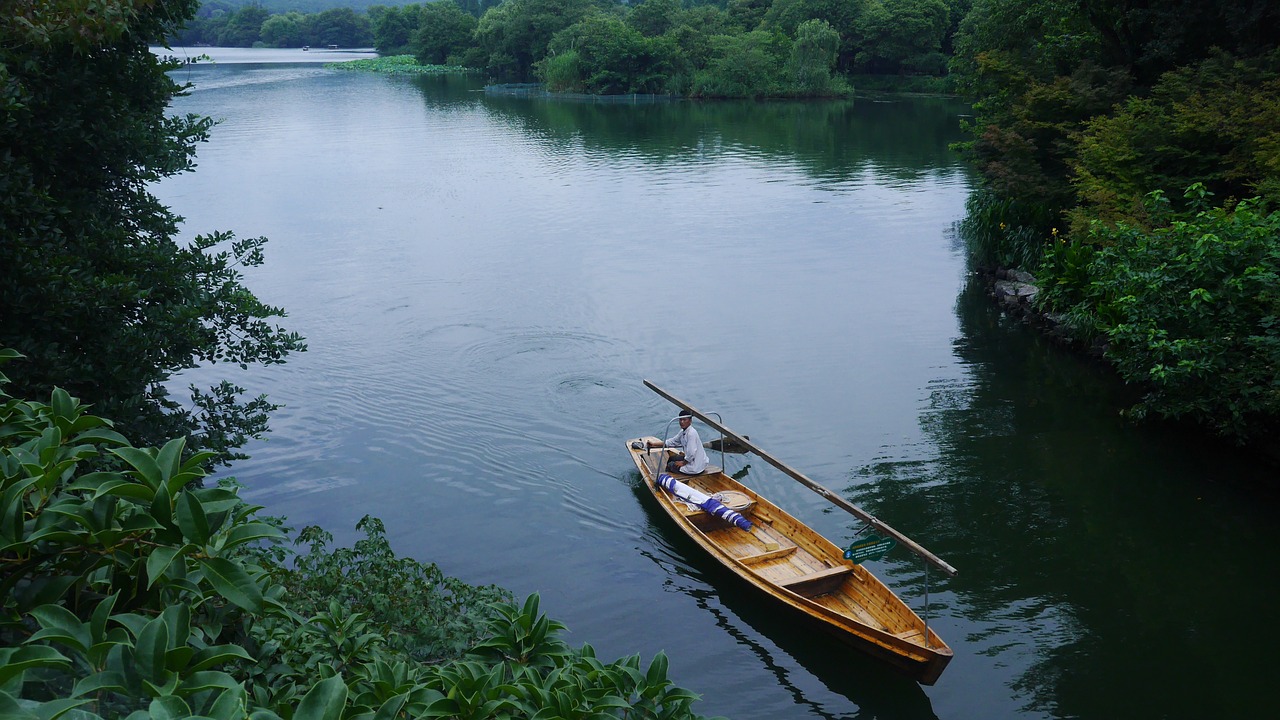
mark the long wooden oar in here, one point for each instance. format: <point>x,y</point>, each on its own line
<point>833,498</point>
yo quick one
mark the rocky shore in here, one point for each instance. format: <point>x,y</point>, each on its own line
<point>1015,292</point>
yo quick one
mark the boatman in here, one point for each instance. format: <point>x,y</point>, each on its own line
<point>692,458</point>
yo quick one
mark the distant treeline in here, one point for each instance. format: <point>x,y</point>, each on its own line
<point>722,48</point>
<point>255,26</point>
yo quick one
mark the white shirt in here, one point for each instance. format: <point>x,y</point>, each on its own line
<point>691,445</point>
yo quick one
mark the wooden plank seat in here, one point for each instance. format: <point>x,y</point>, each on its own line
<point>766,556</point>
<point>817,583</point>
<point>711,470</point>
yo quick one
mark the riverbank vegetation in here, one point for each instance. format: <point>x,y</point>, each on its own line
<point>393,65</point>
<point>129,589</point>
<point>96,293</point>
<point>731,48</point>
<point>1130,157</point>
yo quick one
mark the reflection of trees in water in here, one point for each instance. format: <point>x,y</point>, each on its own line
<point>1089,560</point>
<point>877,690</point>
<point>450,90</point>
<point>830,140</point>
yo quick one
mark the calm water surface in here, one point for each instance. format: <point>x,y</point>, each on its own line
<point>484,282</point>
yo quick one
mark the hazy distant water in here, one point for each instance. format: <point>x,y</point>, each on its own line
<point>484,281</point>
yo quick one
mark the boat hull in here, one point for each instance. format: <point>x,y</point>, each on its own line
<point>801,569</point>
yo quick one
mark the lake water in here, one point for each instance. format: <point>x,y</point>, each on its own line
<point>485,281</point>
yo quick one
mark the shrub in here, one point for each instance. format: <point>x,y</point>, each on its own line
<point>743,66</point>
<point>1190,310</point>
<point>129,591</point>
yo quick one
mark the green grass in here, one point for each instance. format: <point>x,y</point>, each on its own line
<point>394,64</point>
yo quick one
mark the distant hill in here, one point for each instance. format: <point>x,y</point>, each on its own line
<point>303,6</point>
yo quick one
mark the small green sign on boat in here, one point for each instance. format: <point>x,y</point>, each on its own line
<point>871,547</point>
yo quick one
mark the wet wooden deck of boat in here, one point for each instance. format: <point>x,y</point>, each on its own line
<point>782,554</point>
<point>777,558</point>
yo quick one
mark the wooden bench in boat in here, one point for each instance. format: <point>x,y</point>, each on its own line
<point>767,555</point>
<point>817,583</point>
<point>711,470</point>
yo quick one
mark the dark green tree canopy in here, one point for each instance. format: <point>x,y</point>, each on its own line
<point>94,290</point>
<point>443,30</point>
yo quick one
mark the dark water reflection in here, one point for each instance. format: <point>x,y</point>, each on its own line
<point>1108,557</point>
<point>484,281</point>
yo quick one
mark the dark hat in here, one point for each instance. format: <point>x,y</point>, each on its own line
<point>686,414</point>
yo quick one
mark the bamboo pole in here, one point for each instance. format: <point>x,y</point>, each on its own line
<point>833,498</point>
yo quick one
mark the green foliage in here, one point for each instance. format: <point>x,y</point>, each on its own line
<point>94,289</point>
<point>1190,309</point>
<point>1002,45</point>
<point>443,30</point>
<point>653,18</point>
<point>1069,90</point>
<point>902,35</point>
<point>286,31</point>
<point>526,670</point>
<point>243,28</point>
<point>744,66</point>
<point>342,27</point>
<point>606,56</point>
<point>812,56</point>
<point>516,34</point>
<point>846,17</point>
<point>1026,156</point>
<point>251,26</point>
<point>746,15</point>
<point>1001,232</point>
<point>1084,109</point>
<point>425,614</point>
<point>122,586</point>
<point>393,28</point>
<point>880,85</point>
<point>562,72</point>
<point>393,65</point>
<point>130,591</point>
<point>1216,123</point>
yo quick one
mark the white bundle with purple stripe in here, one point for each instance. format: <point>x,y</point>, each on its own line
<point>702,500</point>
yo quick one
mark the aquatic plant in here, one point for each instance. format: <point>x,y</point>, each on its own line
<point>394,65</point>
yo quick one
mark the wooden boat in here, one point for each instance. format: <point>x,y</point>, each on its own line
<point>798,567</point>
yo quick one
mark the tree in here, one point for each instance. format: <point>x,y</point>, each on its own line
<point>342,27</point>
<point>900,34</point>
<point>609,57</point>
<point>1188,308</point>
<point>244,27</point>
<point>654,17</point>
<point>746,14</point>
<point>844,16</point>
<point>812,55</point>
<point>1216,123</point>
<point>289,30</point>
<point>94,290</point>
<point>749,65</point>
<point>515,34</point>
<point>443,30</point>
<point>394,27</point>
